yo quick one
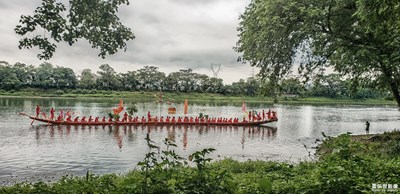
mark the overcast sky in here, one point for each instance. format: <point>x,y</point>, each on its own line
<point>170,34</point>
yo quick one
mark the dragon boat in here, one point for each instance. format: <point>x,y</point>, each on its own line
<point>151,122</point>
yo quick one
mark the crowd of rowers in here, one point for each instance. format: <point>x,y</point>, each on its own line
<point>253,116</point>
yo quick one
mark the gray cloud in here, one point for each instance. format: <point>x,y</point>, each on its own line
<point>171,34</point>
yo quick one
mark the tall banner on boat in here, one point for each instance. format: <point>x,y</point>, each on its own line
<point>185,107</point>
<point>244,109</point>
<point>119,108</point>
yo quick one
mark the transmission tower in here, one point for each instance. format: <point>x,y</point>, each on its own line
<point>215,68</point>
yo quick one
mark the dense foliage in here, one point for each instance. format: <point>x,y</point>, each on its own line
<point>93,20</point>
<point>149,78</point>
<point>346,166</point>
<point>357,38</point>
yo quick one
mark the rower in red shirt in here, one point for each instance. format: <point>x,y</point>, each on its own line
<point>69,118</point>
<point>244,120</point>
<point>273,114</point>
<point>37,110</point>
<point>52,113</point>
<point>125,118</point>
<point>76,119</point>
<point>148,116</point>
<point>96,120</point>
<point>83,119</point>
<point>269,114</point>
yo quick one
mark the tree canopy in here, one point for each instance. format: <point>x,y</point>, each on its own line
<point>93,20</point>
<point>359,39</point>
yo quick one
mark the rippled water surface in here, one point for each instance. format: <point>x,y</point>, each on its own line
<point>31,152</point>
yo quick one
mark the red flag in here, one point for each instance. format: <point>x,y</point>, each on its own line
<point>120,107</point>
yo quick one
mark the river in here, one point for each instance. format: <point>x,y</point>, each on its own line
<point>33,152</point>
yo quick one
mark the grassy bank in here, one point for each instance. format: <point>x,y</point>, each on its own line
<point>347,164</point>
<point>178,96</point>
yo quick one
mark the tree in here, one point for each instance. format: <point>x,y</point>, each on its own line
<point>93,20</point>
<point>184,80</point>
<point>252,86</point>
<point>64,78</point>
<point>8,78</point>
<point>357,38</point>
<point>292,86</point>
<point>87,79</point>
<point>215,85</point>
<point>44,76</point>
<point>239,87</point>
<point>108,78</point>
<point>331,86</point>
<point>128,80</point>
<point>201,82</point>
<point>24,73</point>
<point>150,78</point>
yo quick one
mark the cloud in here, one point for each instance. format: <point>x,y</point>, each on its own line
<point>171,34</point>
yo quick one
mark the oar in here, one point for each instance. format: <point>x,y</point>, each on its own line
<point>24,114</point>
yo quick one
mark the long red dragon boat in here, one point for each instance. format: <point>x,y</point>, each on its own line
<point>54,122</point>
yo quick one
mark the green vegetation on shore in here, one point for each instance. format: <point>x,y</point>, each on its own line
<point>194,96</point>
<point>347,164</point>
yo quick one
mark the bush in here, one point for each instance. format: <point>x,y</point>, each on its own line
<point>59,92</point>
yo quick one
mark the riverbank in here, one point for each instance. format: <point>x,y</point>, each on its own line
<point>178,97</point>
<point>347,164</point>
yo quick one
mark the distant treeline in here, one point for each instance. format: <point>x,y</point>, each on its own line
<point>149,78</point>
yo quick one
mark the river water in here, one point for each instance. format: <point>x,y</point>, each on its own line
<point>33,152</point>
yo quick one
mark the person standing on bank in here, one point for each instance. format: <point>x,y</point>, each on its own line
<point>367,127</point>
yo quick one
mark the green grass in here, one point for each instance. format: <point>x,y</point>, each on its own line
<point>179,96</point>
<point>349,164</point>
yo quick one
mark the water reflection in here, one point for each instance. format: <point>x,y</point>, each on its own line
<point>118,133</point>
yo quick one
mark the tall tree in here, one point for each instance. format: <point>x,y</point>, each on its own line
<point>8,78</point>
<point>239,87</point>
<point>150,78</point>
<point>87,79</point>
<point>357,38</point>
<point>24,73</point>
<point>44,76</point>
<point>93,20</point>
<point>64,77</point>
<point>129,80</point>
<point>108,78</point>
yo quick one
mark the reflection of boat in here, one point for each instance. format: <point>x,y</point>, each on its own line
<point>152,122</point>
<point>176,133</point>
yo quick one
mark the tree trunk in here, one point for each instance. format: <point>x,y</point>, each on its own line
<point>395,91</point>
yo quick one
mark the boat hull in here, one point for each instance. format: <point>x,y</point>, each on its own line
<point>52,122</point>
